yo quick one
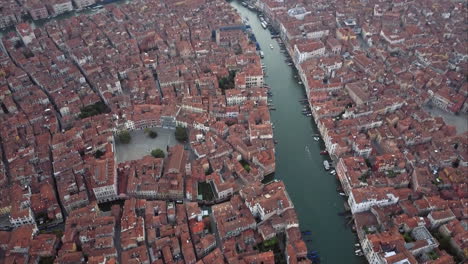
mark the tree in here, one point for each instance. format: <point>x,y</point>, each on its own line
<point>98,154</point>
<point>124,137</point>
<point>158,153</point>
<point>153,134</point>
<point>227,82</point>
<point>94,109</point>
<point>181,133</point>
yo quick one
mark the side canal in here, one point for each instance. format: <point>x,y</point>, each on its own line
<point>298,160</point>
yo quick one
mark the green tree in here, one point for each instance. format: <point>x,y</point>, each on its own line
<point>181,133</point>
<point>94,109</point>
<point>152,134</point>
<point>228,81</point>
<point>98,154</point>
<point>158,153</point>
<point>46,260</point>
<point>124,137</point>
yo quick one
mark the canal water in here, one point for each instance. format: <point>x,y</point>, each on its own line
<point>298,160</point>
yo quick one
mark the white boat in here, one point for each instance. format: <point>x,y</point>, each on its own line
<point>264,25</point>
<point>262,54</point>
<point>357,245</point>
<point>326,165</point>
<point>342,194</point>
<point>271,46</point>
<point>333,172</point>
<point>316,138</point>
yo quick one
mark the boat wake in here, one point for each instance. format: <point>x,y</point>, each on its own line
<point>308,152</point>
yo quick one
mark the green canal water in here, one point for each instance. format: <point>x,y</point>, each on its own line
<point>298,160</point>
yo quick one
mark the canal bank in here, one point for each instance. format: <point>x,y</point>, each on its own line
<point>298,160</point>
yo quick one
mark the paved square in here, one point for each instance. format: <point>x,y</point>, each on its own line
<point>142,145</point>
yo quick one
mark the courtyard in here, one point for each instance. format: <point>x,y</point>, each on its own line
<point>141,144</point>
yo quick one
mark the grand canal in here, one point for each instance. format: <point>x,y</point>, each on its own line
<point>298,160</point>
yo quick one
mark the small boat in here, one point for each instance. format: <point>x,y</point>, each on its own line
<point>271,46</point>
<point>333,171</point>
<point>299,82</point>
<point>357,245</point>
<point>324,152</point>
<point>316,138</point>
<point>244,3</point>
<point>275,141</point>
<point>262,55</point>
<point>272,108</point>
<point>342,194</point>
<point>326,164</point>
<point>309,115</point>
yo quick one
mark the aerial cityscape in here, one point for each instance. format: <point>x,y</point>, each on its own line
<point>230,131</point>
